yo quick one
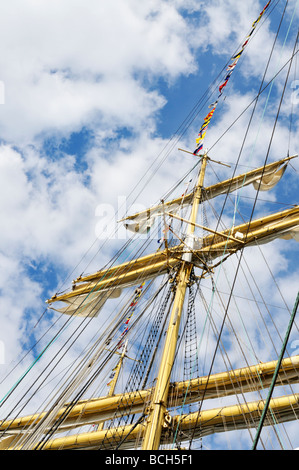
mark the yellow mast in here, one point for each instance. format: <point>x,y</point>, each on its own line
<point>210,421</point>
<point>221,384</point>
<point>146,267</point>
<point>185,255</point>
<point>157,408</point>
<point>114,380</point>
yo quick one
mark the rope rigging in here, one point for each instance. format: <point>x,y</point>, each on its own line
<point>141,369</point>
<point>152,321</point>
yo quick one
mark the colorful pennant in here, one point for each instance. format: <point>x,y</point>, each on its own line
<point>203,130</point>
<point>132,308</point>
<point>229,70</point>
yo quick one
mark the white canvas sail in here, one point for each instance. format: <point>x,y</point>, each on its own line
<point>88,305</point>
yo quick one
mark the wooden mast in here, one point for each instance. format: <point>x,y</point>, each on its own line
<point>221,384</point>
<point>157,408</point>
<point>114,380</point>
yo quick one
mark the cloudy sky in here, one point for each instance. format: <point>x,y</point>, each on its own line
<point>95,95</point>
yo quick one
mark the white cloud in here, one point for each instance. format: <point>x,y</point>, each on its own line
<point>66,66</point>
<point>65,63</point>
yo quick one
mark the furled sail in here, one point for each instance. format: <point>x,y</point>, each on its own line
<point>263,179</point>
<point>291,234</point>
<point>209,387</point>
<point>268,182</point>
<point>165,400</point>
<point>223,419</point>
<point>88,306</point>
<point>108,283</point>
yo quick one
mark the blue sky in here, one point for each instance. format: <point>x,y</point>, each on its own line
<point>93,96</point>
